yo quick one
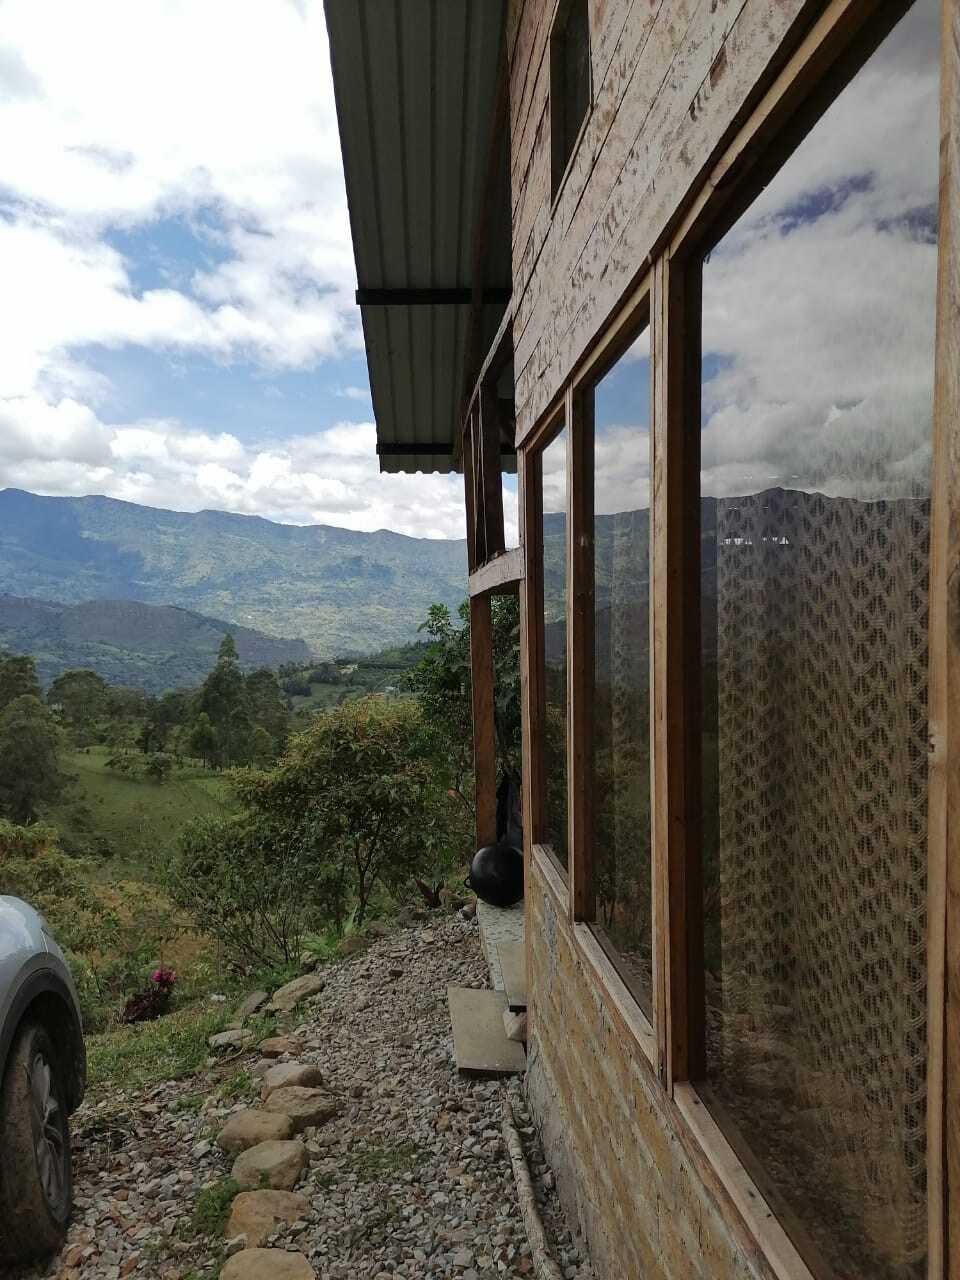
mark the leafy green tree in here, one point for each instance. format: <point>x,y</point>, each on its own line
<point>356,802</point>
<point>80,696</point>
<point>203,739</point>
<point>223,698</point>
<point>18,676</point>
<point>442,681</point>
<point>30,745</point>
<point>267,710</point>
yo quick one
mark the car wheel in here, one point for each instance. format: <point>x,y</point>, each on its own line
<point>36,1181</point>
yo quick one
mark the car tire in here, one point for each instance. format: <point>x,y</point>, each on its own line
<point>36,1181</point>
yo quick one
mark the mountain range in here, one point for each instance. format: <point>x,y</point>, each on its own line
<point>154,647</point>
<point>337,590</point>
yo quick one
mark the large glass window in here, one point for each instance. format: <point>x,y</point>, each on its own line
<point>621,464</point>
<point>553,463</point>
<point>817,383</point>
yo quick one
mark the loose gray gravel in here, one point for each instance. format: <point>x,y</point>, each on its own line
<point>410,1179</point>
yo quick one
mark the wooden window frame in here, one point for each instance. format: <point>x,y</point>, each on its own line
<point>837,42</point>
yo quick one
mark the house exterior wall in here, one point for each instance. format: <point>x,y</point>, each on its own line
<point>671,82</point>
<point>623,1174</point>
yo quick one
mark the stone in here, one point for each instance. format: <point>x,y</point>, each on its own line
<point>267,1264</point>
<point>290,1073</point>
<point>281,1163</point>
<point>247,1128</point>
<point>233,1039</point>
<point>254,1001</point>
<point>275,1046</point>
<point>351,946</point>
<point>238,1242</point>
<point>303,1106</point>
<point>515,1025</point>
<point>255,1214</point>
<point>295,992</point>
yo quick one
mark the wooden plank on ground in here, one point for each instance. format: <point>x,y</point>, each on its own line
<point>480,1042</point>
<point>513,966</point>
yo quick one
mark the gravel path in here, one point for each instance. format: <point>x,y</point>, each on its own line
<point>409,1179</point>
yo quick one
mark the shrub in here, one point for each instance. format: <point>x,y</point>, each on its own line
<point>356,802</point>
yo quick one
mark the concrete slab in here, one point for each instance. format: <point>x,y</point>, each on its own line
<point>498,925</point>
<point>480,1042</point>
<point>513,967</point>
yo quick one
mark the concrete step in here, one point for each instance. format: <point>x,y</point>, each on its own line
<point>480,1042</point>
<point>513,967</point>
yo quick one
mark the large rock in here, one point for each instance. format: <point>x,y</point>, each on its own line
<point>254,1001</point>
<point>267,1264</point>
<point>280,1163</point>
<point>232,1038</point>
<point>248,1128</point>
<point>286,1074</point>
<point>274,1046</point>
<point>295,992</point>
<point>303,1106</point>
<point>255,1214</point>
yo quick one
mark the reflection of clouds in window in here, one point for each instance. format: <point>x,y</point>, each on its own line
<point>554,467</point>
<point>817,325</point>
<point>621,414</point>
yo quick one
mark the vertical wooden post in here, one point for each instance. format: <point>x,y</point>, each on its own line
<point>530,506</point>
<point>488,469</point>
<point>484,743</point>
<point>532,682</point>
<point>580,655</point>
<point>943,872</point>
<point>469,494</point>
<point>675,527</point>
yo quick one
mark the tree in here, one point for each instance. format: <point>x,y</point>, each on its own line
<point>266,708</point>
<point>80,696</point>
<point>203,739</point>
<point>223,698</point>
<point>356,802</point>
<point>30,744</point>
<point>442,681</point>
<point>18,676</point>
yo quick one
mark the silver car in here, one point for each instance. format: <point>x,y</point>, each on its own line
<point>42,1074</point>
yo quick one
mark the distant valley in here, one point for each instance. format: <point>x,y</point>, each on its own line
<point>335,590</point>
<point>153,647</point>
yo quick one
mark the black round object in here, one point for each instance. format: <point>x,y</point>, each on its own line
<point>496,874</point>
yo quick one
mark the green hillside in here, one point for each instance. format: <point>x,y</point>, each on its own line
<point>338,589</point>
<point>154,647</point>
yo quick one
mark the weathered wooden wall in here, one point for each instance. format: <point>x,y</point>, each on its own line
<point>670,81</point>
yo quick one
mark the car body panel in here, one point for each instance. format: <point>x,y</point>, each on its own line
<point>34,976</point>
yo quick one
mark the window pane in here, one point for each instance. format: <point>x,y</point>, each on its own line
<point>818,343</point>
<point>554,462</point>
<point>622,661</point>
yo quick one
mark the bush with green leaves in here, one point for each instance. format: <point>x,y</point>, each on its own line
<point>359,802</point>
<point>443,684</point>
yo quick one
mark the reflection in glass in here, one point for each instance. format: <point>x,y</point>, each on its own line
<point>554,472</point>
<point>622,663</point>
<point>818,340</point>
<point>511,513</point>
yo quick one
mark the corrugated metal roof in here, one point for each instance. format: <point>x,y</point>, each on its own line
<point>415,83</point>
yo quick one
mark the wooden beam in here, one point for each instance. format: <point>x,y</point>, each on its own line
<point>432,297</point>
<point>580,656</point>
<point>498,577</point>
<point>469,495</point>
<point>679,1001</point>
<point>532,684</point>
<point>484,743</point>
<point>486,442</point>
<point>943,1071</point>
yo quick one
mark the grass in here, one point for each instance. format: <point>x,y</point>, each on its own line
<point>133,820</point>
<point>372,1163</point>
<point>212,1208</point>
<point>148,1052</point>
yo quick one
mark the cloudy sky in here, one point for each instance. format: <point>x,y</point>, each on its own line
<point>177,324</point>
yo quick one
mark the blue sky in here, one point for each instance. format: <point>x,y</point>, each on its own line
<point>177,324</point>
